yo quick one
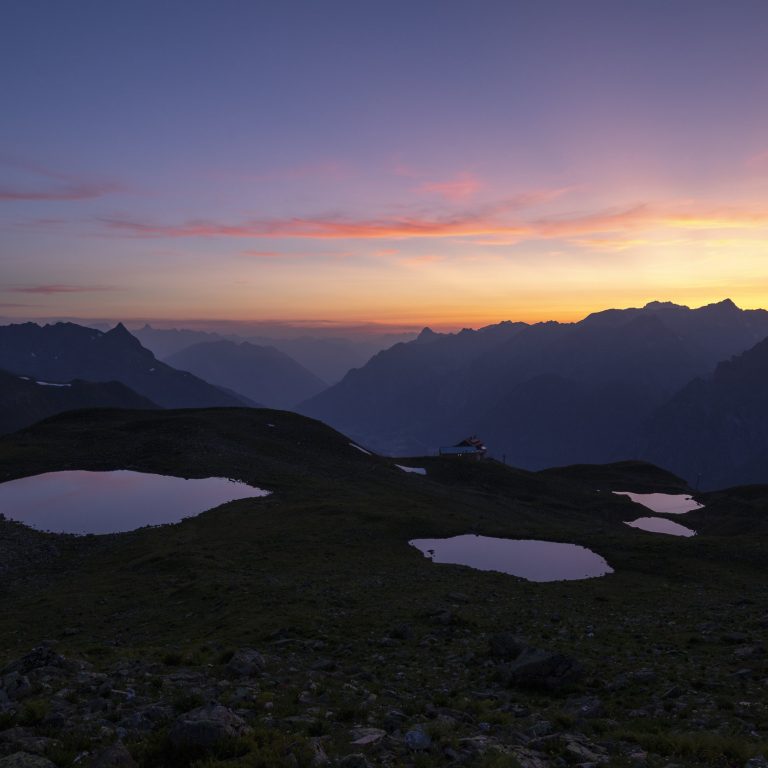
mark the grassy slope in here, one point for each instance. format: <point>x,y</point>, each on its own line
<point>326,555</point>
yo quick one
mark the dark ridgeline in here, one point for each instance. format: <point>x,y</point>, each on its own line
<point>714,432</point>
<point>263,374</point>
<point>66,351</point>
<point>24,401</point>
<point>541,395</point>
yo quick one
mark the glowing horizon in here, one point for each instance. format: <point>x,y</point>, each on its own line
<point>524,163</point>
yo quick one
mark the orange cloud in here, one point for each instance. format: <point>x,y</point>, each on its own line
<point>397,228</point>
<point>502,223</point>
<point>462,187</point>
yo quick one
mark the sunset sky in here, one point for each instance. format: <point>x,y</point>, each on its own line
<point>419,162</point>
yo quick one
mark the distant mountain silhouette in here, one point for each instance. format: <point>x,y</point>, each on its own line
<point>25,401</point>
<point>262,373</point>
<point>540,395</point>
<point>66,351</point>
<point>327,357</point>
<point>714,432</point>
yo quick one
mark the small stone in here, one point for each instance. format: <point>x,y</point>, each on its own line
<point>362,737</point>
<point>417,739</point>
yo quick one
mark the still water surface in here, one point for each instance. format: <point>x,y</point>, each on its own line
<point>528,558</point>
<point>661,525</point>
<point>664,503</point>
<point>113,502</point>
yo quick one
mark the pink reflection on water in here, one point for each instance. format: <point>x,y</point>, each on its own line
<point>111,502</point>
<point>528,558</point>
<point>664,503</point>
<point>661,525</point>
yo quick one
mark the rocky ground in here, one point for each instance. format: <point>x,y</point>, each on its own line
<point>301,630</point>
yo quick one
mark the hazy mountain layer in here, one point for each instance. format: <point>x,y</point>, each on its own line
<point>327,357</point>
<point>65,351</point>
<point>264,374</point>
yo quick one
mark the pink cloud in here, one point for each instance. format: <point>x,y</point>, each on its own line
<point>501,223</point>
<point>461,187</point>
<point>318,228</point>
<point>67,186</point>
<point>760,160</point>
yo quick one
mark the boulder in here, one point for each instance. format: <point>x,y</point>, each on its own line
<point>543,670</point>
<point>246,662</point>
<point>205,727</point>
<point>116,756</point>
<point>505,645</point>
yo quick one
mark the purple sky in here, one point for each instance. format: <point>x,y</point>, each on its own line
<point>403,162</point>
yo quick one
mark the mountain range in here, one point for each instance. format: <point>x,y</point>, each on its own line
<point>540,395</point>
<point>24,401</point>
<point>264,374</point>
<point>327,357</point>
<point>62,352</point>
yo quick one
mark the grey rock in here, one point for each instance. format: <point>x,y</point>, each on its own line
<point>246,662</point>
<point>116,756</point>
<point>418,739</point>
<point>401,632</point>
<point>356,760</point>
<point>206,726</point>
<point>505,645</point>
<point>757,762</point>
<point>543,670</point>
<point>25,760</point>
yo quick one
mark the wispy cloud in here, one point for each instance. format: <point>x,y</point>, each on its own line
<point>328,228</point>
<point>80,191</point>
<point>53,288</point>
<point>760,160</point>
<point>506,222</point>
<point>457,189</point>
<point>46,184</point>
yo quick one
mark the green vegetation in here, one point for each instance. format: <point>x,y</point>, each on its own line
<point>355,625</point>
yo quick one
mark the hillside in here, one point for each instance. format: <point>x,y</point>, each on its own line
<point>318,633</point>
<point>24,401</point>
<point>540,395</point>
<point>263,374</point>
<point>66,351</point>
<point>714,432</point>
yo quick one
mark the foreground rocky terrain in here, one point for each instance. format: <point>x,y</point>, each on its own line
<point>302,630</point>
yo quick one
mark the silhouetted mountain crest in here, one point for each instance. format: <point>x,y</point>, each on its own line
<point>65,351</point>
<point>544,394</point>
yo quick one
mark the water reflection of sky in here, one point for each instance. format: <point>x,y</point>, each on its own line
<point>111,502</point>
<point>528,558</point>
<point>661,525</point>
<point>664,503</point>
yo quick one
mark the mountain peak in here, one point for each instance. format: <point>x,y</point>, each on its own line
<point>427,334</point>
<point>662,305</point>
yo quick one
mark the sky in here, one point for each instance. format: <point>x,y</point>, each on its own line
<point>428,162</point>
